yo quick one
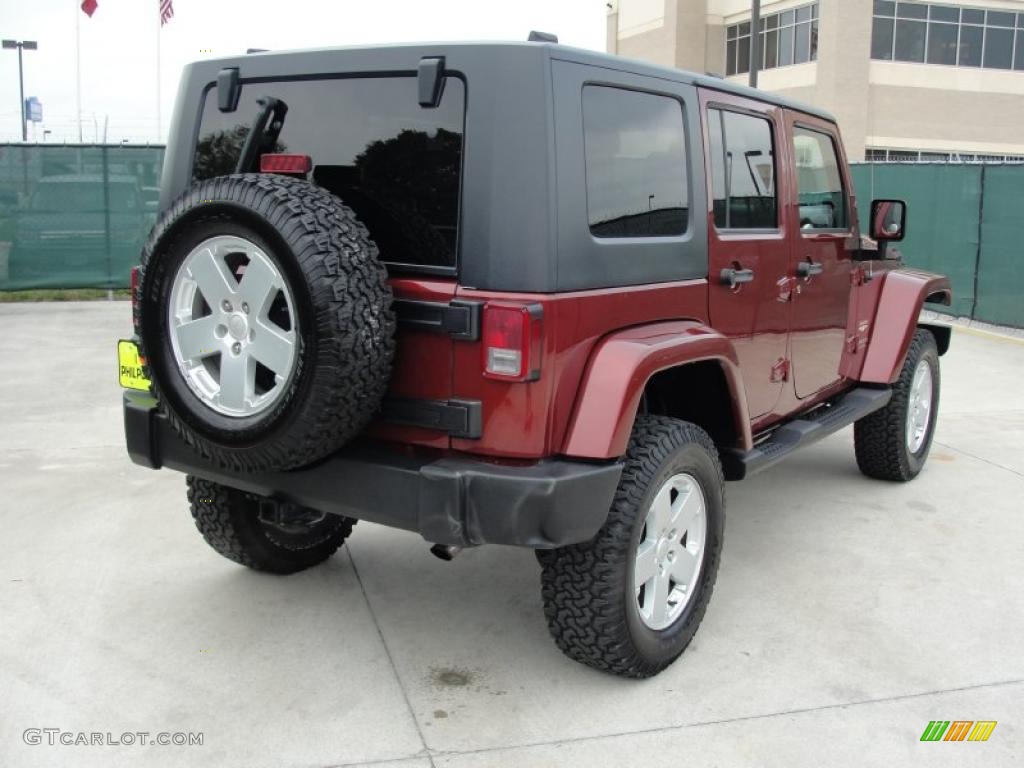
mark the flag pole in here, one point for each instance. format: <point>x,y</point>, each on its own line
<point>78,71</point>
<point>159,122</point>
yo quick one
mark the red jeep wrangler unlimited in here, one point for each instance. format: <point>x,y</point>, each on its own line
<point>516,294</point>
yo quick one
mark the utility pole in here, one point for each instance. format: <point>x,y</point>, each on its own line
<point>78,76</point>
<point>28,45</point>
<point>755,42</point>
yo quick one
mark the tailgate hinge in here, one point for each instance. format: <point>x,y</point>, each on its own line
<point>458,318</point>
<point>459,418</point>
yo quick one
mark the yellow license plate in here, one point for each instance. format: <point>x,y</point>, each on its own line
<point>129,366</point>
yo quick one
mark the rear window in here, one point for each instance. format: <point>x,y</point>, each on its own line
<point>396,164</point>
<point>636,163</point>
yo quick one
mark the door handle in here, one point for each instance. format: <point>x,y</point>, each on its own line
<point>809,268</point>
<point>733,277</point>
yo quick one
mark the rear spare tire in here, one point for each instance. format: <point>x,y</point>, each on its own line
<point>265,320</point>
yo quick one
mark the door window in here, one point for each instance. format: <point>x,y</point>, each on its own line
<point>819,181</point>
<point>742,170</point>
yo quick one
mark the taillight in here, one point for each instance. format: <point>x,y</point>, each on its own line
<point>512,338</point>
<point>282,163</point>
<point>133,285</point>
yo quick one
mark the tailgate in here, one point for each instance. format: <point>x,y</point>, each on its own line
<point>420,407</point>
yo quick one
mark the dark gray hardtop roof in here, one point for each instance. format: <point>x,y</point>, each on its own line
<point>528,163</point>
<point>406,55</point>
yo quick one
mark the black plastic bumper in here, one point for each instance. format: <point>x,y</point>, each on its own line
<point>454,501</point>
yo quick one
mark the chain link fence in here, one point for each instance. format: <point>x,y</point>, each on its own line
<point>75,216</point>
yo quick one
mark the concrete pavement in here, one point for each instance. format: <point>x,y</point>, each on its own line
<point>848,613</point>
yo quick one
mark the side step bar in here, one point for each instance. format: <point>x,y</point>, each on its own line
<point>802,432</point>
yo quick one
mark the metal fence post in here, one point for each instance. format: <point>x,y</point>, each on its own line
<point>106,215</point>
<point>977,253</point>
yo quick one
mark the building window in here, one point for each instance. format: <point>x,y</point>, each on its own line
<point>789,37</point>
<point>947,34</point>
<point>875,155</point>
<point>742,171</point>
<point>635,151</point>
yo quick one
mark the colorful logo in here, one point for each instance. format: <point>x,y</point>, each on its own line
<point>958,730</point>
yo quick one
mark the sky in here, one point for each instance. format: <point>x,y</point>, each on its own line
<point>119,47</point>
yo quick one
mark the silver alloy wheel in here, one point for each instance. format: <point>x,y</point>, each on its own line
<point>919,406</point>
<point>233,356</point>
<point>670,555</point>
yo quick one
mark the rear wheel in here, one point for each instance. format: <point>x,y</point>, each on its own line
<point>893,443</point>
<point>263,534</point>
<point>629,601</point>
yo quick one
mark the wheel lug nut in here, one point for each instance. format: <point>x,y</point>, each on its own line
<point>226,305</point>
<point>236,348</point>
<point>245,307</point>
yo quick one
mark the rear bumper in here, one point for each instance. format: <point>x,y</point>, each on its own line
<point>451,500</point>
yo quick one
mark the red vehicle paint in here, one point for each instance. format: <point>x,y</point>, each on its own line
<point>571,295</point>
<point>786,342</point>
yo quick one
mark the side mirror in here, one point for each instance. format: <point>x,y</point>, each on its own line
<point>888,220</point>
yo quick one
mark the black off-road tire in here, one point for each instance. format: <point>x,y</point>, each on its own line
<point>230,522</point>
<point>879,439</point>
<point>346,324</point>
<point>587,588</point>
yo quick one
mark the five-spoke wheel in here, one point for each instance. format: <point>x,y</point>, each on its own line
<point>919,407</point>
<point>232,324</point>
<point>671,551</point>
<point>630,600</point>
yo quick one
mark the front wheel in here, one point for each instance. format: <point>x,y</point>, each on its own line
<point>629,601</point>
<point>893,443</point>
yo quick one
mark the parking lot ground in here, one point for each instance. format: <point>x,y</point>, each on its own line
<point>848,613</point>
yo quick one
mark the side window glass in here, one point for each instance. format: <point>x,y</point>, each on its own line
<point>742,171</point>
<point>635,148</point>
<point>819,182</point>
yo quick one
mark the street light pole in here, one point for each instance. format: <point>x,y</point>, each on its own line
<point>755,42</point>
<point>29,45</point>
<point>21,93</point>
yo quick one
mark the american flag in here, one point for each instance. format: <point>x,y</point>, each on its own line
<point>166,11</point>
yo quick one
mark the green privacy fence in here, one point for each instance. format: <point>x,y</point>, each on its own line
<point>74,216</point>
<point>964,221</point>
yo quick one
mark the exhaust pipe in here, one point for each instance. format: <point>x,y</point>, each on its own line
<point>445,552</point>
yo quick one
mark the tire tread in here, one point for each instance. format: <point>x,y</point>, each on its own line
<point>354,322</point>
<point>231,532</point>
<point>583,586</point>
<point>879,438</point>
